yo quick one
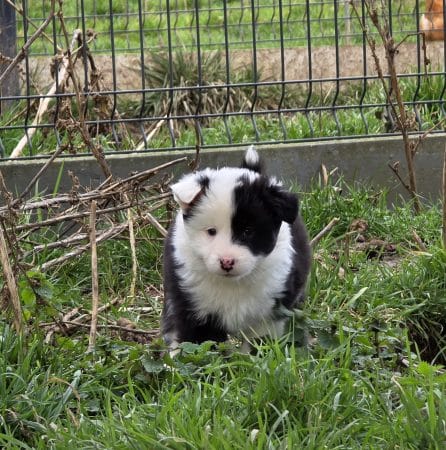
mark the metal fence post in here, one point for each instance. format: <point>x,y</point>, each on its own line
<point>8,35</point>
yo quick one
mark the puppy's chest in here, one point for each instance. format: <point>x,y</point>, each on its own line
<point>238,306</point>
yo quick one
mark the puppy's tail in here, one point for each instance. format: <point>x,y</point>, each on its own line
<point>252,161</point>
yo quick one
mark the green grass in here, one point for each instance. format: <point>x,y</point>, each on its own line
<point>367,381</point>
<point>125,21</point>
<point>353,110</point>
<point>320,122</point>
<point>357,115</point>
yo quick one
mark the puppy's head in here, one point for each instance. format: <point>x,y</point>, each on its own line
<point>232,218</point>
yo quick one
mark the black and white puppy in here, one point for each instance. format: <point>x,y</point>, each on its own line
<point>236,252</point>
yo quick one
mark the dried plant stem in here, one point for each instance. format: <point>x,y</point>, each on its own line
<point>101,192</point>
<point>153,332</point>
<point>154,129</point>
<point>38,175</point>
<point>140,176</point>
<point>11,283</point>
<point>133,252</point>
<point>399,111</point>
<point>112,232</point>
<point>155,223</point>
<point>62,243</point>
<point>67,325</point>
<point>79,215</point>
<point>419,241</point>
<point>67,198</point>
<point>324,231</point>
<point>69,217</point>
<point>94,279</point>
<point>61,78</point>
<point>81,99</point>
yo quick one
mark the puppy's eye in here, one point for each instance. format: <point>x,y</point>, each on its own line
<point>211,231</point>
<point>248,231</point>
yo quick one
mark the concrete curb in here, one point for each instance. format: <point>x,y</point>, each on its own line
<point>363,160</point>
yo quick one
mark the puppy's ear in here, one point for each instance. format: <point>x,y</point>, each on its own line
<point>285,204</point>
<point>187,191</point>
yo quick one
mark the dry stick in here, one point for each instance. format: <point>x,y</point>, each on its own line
<point>394,168</point>
<point>67,198</point>
<point>99,192</point>
<point>421,138</point>
<point>78,251</point>
<point>24,50</point>
<point>444,198</point>
<point>83,128</point>
<point>37,176</point>
<point>153,332</point>
<point>68,316</point>
<point>418,241</point>
<point>155,223</point>
<point>62,243</point>
<point>133,252</point>
<point>95,279</point>
<point>63,73</point>
<point>68,217</point>
<point>55,327</point>
<point>72,240</point>
<point>110,233</point>
<point>152,133</point>
<point>390,51</point>
<point>146,173</point>
<point>11,283</point>
<point>324,231</point>
<point>74,216</point>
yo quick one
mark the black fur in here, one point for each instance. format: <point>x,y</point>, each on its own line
<point>259,211</point>
<point>293,294</point>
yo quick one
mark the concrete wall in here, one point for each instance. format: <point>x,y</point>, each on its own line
<point>357,160</point>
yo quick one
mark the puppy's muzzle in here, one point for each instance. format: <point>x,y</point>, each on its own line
<point>227,264</point>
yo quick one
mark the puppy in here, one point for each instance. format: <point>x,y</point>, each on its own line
<point>235,255</point>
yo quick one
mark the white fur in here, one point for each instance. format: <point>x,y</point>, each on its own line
<point>251,156</point>
<point>242,299</point>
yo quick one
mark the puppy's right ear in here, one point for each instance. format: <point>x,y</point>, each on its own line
<point>187,191</point>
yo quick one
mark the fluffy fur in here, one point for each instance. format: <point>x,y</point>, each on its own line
<point>235,253</point>
<point>432,22</point>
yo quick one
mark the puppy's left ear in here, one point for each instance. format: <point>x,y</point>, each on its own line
<point>285,204</point>
<point>186,192</point>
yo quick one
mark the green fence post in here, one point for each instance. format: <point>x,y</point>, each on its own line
<point>8,35</point>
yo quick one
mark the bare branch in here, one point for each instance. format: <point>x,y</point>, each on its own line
<point>94,279</point>
<point>11,283</point>
<point>324,231</point>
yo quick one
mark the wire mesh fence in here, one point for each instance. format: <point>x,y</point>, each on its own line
<point>137,75</point>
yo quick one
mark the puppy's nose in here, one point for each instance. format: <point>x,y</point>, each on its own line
<point>227,263</point>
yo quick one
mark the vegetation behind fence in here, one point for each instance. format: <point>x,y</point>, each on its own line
<point>139,75</point>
